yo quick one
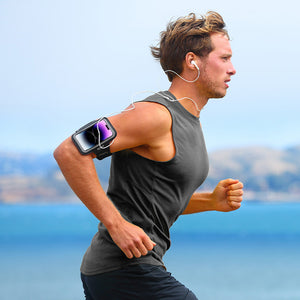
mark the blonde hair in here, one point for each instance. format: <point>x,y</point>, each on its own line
<point>187,34</point>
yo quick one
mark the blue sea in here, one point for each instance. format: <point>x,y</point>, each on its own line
<point>250,254</point>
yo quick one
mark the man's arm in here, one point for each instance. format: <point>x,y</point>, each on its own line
<point>227,196</point>
<point>81,175</point>
<point>134,128</point>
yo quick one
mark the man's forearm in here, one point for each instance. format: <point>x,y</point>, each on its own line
<point>227,196</point>
<point>80,173</point>
<point>199,202</point>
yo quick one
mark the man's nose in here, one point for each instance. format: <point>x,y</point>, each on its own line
<point>232,70</point>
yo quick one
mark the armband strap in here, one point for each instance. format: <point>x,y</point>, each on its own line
<point>102,152</point>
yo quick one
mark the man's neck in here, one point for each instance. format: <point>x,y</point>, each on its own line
<point>186,91</point>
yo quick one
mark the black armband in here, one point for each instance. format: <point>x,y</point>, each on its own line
<point>95,137</point>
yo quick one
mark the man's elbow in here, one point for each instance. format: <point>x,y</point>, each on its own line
<point>64,151</point>
<point>57,153</point>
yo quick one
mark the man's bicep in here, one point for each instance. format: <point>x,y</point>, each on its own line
<point>140,126</point>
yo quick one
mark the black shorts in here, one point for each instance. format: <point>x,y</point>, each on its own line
<point>137,282</point>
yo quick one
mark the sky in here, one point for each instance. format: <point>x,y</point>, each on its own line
<point>66,62</point>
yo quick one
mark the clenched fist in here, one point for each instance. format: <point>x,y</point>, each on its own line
<point>228,195</point>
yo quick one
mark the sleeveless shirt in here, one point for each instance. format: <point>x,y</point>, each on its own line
<point>151,194</point>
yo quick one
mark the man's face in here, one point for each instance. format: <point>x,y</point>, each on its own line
<point>217,68</point>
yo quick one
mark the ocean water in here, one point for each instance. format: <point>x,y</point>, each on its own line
<point>249,254</point>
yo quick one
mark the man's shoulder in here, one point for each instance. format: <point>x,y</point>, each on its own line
<point>153,113</point>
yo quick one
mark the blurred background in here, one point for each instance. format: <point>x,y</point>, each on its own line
<point>64,63</point>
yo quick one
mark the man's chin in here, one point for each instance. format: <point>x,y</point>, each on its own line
<point>218,96</point>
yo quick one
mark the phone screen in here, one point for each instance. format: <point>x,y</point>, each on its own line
<point>89,138</point>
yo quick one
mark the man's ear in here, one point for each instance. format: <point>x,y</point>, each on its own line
<point>191,61</point>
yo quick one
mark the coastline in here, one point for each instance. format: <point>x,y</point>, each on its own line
<point>249,196</point>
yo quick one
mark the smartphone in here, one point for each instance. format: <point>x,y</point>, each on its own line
<point>88,137</point>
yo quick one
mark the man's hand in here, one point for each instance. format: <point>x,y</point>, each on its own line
<point>228,195</point>
<point>131,239</point>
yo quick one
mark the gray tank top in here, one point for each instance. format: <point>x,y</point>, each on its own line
<point>151,194</point>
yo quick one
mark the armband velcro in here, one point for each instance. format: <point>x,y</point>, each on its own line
<point>102,152</point>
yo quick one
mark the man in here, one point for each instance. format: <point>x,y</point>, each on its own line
<point>158,161</point>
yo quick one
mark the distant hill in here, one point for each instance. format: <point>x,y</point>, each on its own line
<point>37,178</point>
<point>263,170</point>
<point>268,174</point>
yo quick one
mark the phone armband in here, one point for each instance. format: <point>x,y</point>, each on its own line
<point>95,137</point>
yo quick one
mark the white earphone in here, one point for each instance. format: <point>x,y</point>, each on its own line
<point>193,62</point>
<point>191,81</point>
